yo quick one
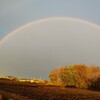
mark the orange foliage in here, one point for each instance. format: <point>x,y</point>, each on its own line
<point>54,74</point>
<point>78,75</point>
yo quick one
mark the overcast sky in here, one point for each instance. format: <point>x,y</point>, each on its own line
<point>37,48</point>
<point>15,13</point>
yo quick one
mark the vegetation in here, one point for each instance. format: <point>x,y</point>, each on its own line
<point>67,76</point>
<point>77,75</point>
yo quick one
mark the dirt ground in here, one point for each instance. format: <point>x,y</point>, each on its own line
<point>27,91</point>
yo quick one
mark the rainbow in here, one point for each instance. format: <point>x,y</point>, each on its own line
<point>48,19</point>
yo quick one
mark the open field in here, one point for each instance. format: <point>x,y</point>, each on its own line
<point>32,91</point>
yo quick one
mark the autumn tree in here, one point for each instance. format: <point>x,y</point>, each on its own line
<point>67,76</point>
<point>80,75</point>
<point>54,74</point>
<point>96,84</point>
<point>93,76</point>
